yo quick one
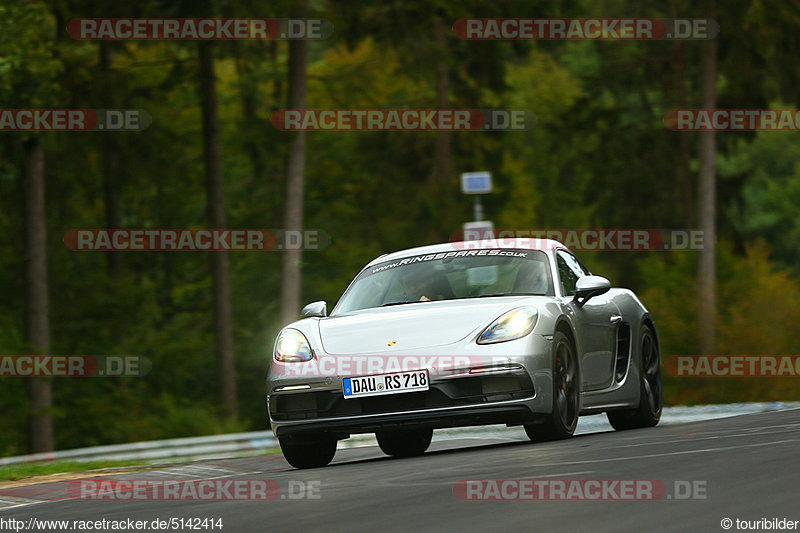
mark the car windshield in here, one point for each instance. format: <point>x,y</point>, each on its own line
<point>449,276</point>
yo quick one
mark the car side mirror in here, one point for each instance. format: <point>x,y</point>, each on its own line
<point>590,286</point>
<point>319,309</point>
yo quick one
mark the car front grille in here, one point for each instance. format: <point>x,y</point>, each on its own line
<point>473,390</point>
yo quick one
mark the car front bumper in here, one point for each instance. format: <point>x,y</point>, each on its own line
<point>506,383</point>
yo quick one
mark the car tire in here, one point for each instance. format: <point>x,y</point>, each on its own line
<point>648,413</point>
<point>308,452</point>
<point>563,419</point>
<point>405,442</point>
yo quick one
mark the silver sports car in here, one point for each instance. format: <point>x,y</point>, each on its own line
<point>514,331</point>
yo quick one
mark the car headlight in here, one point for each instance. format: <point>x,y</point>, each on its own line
<point>292,347</point>
<point>512,325</point>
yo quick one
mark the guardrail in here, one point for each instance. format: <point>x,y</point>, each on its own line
<point>254,442</point>
<point>209,447</point>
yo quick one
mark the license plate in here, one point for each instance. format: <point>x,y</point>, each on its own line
<point>395,383</point>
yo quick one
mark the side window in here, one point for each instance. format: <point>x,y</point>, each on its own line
<point>569,270</point>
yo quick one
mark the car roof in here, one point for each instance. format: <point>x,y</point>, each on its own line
<point>518,243</point>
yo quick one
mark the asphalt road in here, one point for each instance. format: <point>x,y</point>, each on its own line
<point>746,467</point>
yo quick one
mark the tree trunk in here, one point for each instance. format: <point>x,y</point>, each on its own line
<point>251,124</point>
<point>37,323</point>
<point>215,198</point>
<point>276,87</point>
<point>110,163</point>
<point>685,175</point>
<point>276,183</point>
<point>440,202</point>
<point>442,162</point>
<point>295,175</point>
<point>706,198</point>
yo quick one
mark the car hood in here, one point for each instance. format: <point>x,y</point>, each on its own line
<point>411,326</point>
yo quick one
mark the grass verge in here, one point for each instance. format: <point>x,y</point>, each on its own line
<point>22,471</point>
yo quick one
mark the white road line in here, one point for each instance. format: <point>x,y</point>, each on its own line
<point>36,502</point>
<point>193,471</point>
<point>696,439</point>
<point>654,455</point>
<point>392,481</point>
<point>564,474</point>
<point>26,504</point>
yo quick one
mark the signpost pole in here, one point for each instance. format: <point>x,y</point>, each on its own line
<point>477,184</point>
<point>478,209</point>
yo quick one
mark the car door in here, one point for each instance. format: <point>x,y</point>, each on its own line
<point>596,324</point>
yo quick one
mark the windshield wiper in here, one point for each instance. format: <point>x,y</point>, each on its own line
<point>400,303</point>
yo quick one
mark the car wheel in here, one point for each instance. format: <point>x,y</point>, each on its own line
<point>650,397</point>
<point>560,424</point>
<point>308,452</point>
<point>404,443</point>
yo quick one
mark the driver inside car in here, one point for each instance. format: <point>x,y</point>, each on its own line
<point>417,286</point>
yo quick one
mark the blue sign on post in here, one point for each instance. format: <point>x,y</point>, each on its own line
<point>476,182</point>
